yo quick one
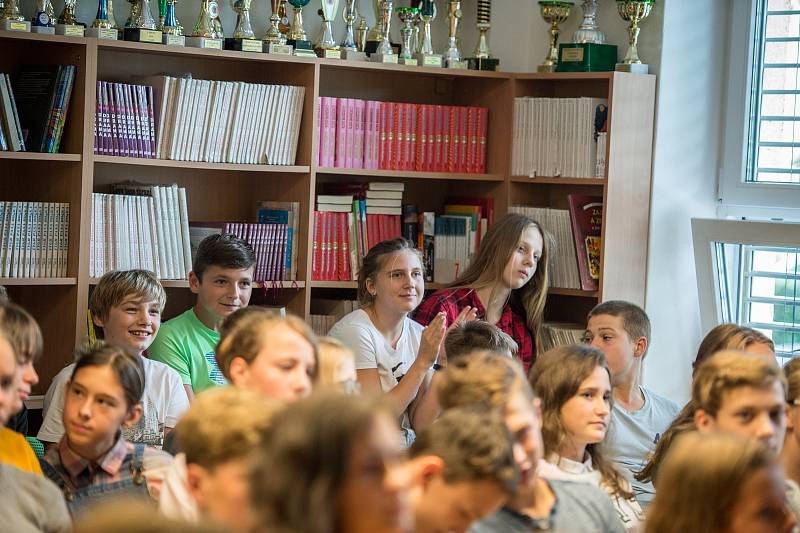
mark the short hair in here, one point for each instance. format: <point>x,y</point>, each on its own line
<point>374,261</point>
<point>475,335</point>
<point>635,321</point>
<point>792,372</point>
<point>22,332</point>
<point>332,353</point>
<point>244,337</point>
<point>728,370</point>
<point>224,424</point>
<point>728,337</point>
<point>128,368</point>
<point>115,285</point>
<point>475,445</point>
<point>224,250</point>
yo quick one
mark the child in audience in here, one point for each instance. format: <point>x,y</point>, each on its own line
<point>394,354</point>
<point>790,454</point>
<point>719,483</point>
<point>733,337</point>
<point>478,335</point>
<point>222,279</point>
<point>27,341</point>
<point>505,284</point>
<point>496,383</point>
<point>92,461</point>
<point>465,470</point>
<point>574,385</point>
<point>621,330</point>
<point>333,463</point>
<point>217,436</point>
<point>127,305</point>
<point>337,366</point>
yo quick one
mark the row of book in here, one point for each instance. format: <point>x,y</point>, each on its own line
<point>124,124</point>
<point>34,239</point>
<point>326,312</point>
<point>575,259</point>
<point>33,110</point>
<point>556,334</point>
<point>226,121</point>
<point>288,214</point>
<point>399,136</point>
<point>559,137</point>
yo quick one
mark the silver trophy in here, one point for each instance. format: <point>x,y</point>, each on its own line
<point>452,55</point>
<point>588,32</point>
<point>349,15</point>
<point>326,45</point>
<point>243,29</point>
<point>407,16</point>
<point>385,53</point>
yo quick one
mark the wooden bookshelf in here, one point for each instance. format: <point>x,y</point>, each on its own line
<point>36,156</point>
<point>199,165</point>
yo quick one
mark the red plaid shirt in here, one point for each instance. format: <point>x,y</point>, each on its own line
<point>452,301</point>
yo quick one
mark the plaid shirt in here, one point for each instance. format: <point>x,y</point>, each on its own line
<point>452,301</point>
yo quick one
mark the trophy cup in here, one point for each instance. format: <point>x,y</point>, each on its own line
<point>216,23</point>
<point>66,23</point>
<point>11,18</point>
<point>283,24</point>
<point>43,20</point>
<point>274,41</point>
<point>103,27</point>
<point>243,40</point>
<point>482,59</point>
<point>375,35</point>
<point>425,55</point>
<point>349,47</point>
<point>171,28</point>
<point>452,55</point>
<point>162,14</point>
<point>297,34</point>
<point>407,16</point>
<point>141,26</point>
<point>326,46</point>
<point>204,34</point>
<point>554,12</point>
<point>633,11</point>
<point>361,33</point>
<point>385,53</point>
<point>588,51</point>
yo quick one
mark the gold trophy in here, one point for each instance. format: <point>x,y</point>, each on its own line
<point>66,23</point>
<point>425,55</point>
<point>633,11</point>
<point>103,26</point>
<point>349,47</point>
<point>375,35</point>
<point>361,33</point>
<point>141,26</point>
<point>407,16</point>
<point>554,12</point>
<point>482,57</point>
<point>326,46</point>
<point>43,18</point>
<point>204,34</point>
<point>172,29</point>
<point>11,18</point>
<point>452,55</point>
<point>243,40</point>
<point>274,41</point>
<point>283,24</point>
<point>385,53</point>
<point>297,34</point>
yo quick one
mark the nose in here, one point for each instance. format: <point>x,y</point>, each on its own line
<point>766,428</point>
<point>143,317</point>
<point>31,376</point>
<point>521,456</point>
<point>397,477</point>
<point>601,406</point>
<point>85,410</point>
<point>301,382</point>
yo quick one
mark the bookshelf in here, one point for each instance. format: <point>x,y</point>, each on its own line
<point>226,191</point>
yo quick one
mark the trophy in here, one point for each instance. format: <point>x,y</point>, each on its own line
<point>103,27</point>
<point>482,59</point>
<point>43,19</point>
<point>216,23</point>
<point>171,28</point>
<point>283,23</point>
<point>297,34</point>
<point>361,33</point>
<point>452,55</point>
<point>385,53</point>
<point>349,47</point>
<point>633,11</point>
<point>554,12</point>
<point>11,18</point>
<point>588,51</point>
<point>407,16</point>
<point>375,35</point>
<point>141,26</point>
<point>204,35</point>
<point>243,40</point>
<point>66,23</point>
<point>425,55</point>
<point>274,41</point>
<point>326,46</point>
<point>162,13</point>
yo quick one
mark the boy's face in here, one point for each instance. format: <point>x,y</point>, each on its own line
<point>8,381</point>
<point>524,421</point>
<point>750,412</point>
<point>222,290</point>
<point>26,379</point>
<point>132,324</point>
<point>223,493</point>
<point>606,333</point>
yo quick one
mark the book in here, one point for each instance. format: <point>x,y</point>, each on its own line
<point>586,214</point>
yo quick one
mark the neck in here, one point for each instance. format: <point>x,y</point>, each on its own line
<point>790,457</point>
<point>209,320</point>
<point>574,451</point>
<point>95,451</point>
<point>387,321</point>
<point>627,392</point>
<point>536,500</point>
<point>493,297</point>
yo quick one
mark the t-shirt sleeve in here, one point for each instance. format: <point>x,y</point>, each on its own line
<point>52,423</point>
<point>167,349</point>
<point>357,338</point>
<point>177,401</point>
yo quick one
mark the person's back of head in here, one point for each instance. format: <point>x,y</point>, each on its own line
<point>477,335</point>
<point>731,337</point>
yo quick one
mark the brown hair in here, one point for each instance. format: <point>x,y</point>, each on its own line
<point>126,366</point>
<point>22,332</point>
<point>223,250</point>
<point>114,286</point>
<point>635,321</point>
<point>792,372</point>
<point>556,377</point>
<point>375,260</point>
<point>475,335</point>
<point>728,337</point>
<point>489,264</point>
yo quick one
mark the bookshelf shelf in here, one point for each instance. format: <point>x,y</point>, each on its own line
<point>199,165</point>
<point>365,66</point>
<point>374,173</point>
<point>38,156</point>
<point>38,281</point>
<point>184,284</point>
<point>573,292</point>
<point>560,181</point>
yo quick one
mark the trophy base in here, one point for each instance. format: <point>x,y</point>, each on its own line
<point>16,25</point>
<point>354,55</point>
<point>70,30</point>
<point>243,45</point>
<point>44,30</point>
<point>546,68</point>
<point>143,35</point>
<point>633,68</point>
<point>371,47</point>
<point>460,64</point>
<point>173,40</point>
<point>384,58</point>
<point>302,48</point>
<point>408,61</point>
<point>328,53</point>
<point>586,57</point>
<point>204,42</point>
<point>277,48</point>
<point>429,60</point>
<point>483,63</point>
<point>103,33</point>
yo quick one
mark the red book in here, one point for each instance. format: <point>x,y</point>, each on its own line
<point>395,163</point>
<point>472,115</point>
<point>414,117</point>
<point>430,146</point>
<point>463,114</point>
<point>316,250</point>
<point>453,140</point>
<point>483,121</point>
<point>421,138</point>
<point>586,215</point>
<point>439,138</point>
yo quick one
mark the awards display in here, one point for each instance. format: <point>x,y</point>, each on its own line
<point>452,55</point>
<point>102,27</point>
<point>326,46</point>
<point>243,40</point>
<point>407,15</point>
<point>162,13</point>
<point>43,19</point>
<point>283,23</point>
<point>66,24</point>
<point>349,47</point>
<point>554,12</point>
<point>588,51</point>
<point>141,26</point>
<point>375,35</point>
<point>425,55</point>
<point>483,59</point>
<point>274,41</point>
<point>203,34</point>
<point>171,28</point>
<point>11,18</point>
<point>633,11</point>
<point>385,53</point>
<point>297,34</point>
<point>361,33</point>
<point>216,23</point>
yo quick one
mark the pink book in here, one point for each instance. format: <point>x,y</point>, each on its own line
<point>358,144</point>
<point>266,252</point>
<point>102,135</point>
<point>122,119</point>
<point>258,249</point>
<point>113,124</point>
<point>151,152</point>
<point>129,121</point>
<point>333,104</point>
<point>321,126</point>
<point>341,131</point>
<point>348,133</point>
<point>96,143</point>
<point>375,135</point>
<point>283,232</point>
<point>135,119</point>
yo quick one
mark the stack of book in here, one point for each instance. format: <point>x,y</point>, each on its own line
<point>34,239</point>
<point>11,139</point>
<point>325,313</point>
<point>398,136</point>
<point>556,334</point>
<point>124,124</point>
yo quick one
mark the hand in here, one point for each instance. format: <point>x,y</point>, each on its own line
<point>467,314</point>
<point>431,342</point>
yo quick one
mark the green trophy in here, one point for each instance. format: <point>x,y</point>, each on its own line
<point>43,18</point>
<point>554,12</point>
<point>482,57</point>
<point>204,34</point>
<point>172,29</point>
<point>66,23</point>
<point>103,26</point>
<point>243,40</point>
<point>633,11</point>
<point>11,18</point>
<point>141,26</point>
<point>297,34</point>
<point>327,47</point>
<point>407,15</point>
<point>588,51</point>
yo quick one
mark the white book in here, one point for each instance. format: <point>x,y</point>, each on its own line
<point>283,125</point>
<point>299,97</point>
<point>384,211</point>
<point>396,195</point>
<point>184,214</point>
<point>221,142</point>
<point>151,214</point>
<point>254,139</point>
<point>243,111</point>
<point>334,208</point>
<point>383,202</point>
<point>25,269</point>
<point>264,124</point>
<point>147,232</point>
<point>174,248</point>
<point>164,236</point>
<point>164,116</point>
<point>44,234</point>
<point>11,240</point>
<point>217,117</point>
<point>386,186</point>
<point>175,230</point>
<point>93,240</point>
<point>40,254</point>
<point>269,131</point>
<point>64,240</point>
<point>189,123</point>
<point>234,126</point>
<point>198,119</point>
<point>4,210</point>
<point>274,119</point>
<point>248,123</point>
<point>177,95</point>
<point>212,115</point>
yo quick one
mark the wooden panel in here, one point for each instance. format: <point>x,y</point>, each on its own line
<point>550,194</point>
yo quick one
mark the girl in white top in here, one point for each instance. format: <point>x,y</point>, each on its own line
<point>393,354</point>
<point>574,385</point>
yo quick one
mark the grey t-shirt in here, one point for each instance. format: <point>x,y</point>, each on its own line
<point>633,435</point>
<point>579,508</point>
<point>29,503</point>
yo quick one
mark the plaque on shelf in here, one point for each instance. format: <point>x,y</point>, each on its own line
<point>70,30</point>
<point>277,48</point>
<point>143,35</point>
<point>243,45</point>
<point>204,42</point>
<point>173,40</point>
<point>110,34</point>
<point>16,25</point>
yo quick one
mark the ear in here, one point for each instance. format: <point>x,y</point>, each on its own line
<point>425,468</point>
<point>239,371</point>
<point>369,283</point>
<point>196,478</point>
<point>133,415</point>
<point>640,347</point>
<point>194,282</point>
<point>704,421</point>
<point>99,321</point>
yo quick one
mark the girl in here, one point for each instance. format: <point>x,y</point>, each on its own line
<point>574,385</point>
<point>718,483</point>
<point>337,366</point>
<point>342,473</point>
<point>505,284</point>
<point>393,353</point>
<point>92,461</point>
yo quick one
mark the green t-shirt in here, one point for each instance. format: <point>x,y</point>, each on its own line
<point>188,346</point>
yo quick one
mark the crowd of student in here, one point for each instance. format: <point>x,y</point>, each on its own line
<point>433,416</point>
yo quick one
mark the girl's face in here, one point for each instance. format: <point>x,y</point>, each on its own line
<point>8,382</point>
<point>399,285</point>
<point>94,410</point>
<point>761,505</point>
<point>585,416</point>
<point>525,258</point>
<point>374,497</point>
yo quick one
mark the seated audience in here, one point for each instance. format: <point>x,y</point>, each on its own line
<point>574,385</point>
<point>28,341</point>
<point>477,335</point>
<point>337,366</point>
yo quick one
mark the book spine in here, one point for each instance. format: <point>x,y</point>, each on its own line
<point>482,135</point>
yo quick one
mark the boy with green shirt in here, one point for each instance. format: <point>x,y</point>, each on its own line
<point>222,279</point>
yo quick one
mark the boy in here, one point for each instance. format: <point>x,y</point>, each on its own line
<point>477,335</point>
<point>222,279</point>
<point>638,416</point>
<point>491,381</point>
<point>127,305</point>
<point>465,470</point>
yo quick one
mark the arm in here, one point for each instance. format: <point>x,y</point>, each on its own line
<point>52,420</point>
<point>189,392</point>
<point>401,396</point>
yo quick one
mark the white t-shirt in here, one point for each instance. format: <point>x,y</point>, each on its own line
<point>163,403</point>
<point>175,501</point>
<point>371,350</point>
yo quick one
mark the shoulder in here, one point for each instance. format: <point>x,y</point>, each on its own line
<point>661,403</point>
<point>181,322</point>
<point>158,371</point>
<point>574,497</point>
<point>156,460</point>
<point>447,300</point>
<point>356,320</point>
<point>27,482</point>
